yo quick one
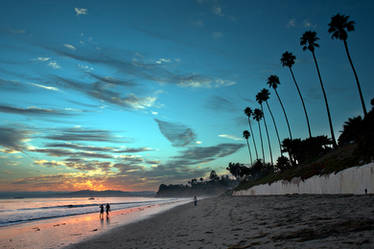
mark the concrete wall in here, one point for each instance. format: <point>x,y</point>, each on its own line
<point>349,181</point>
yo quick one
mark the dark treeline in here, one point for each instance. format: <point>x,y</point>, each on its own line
<point>212,186</point>
<point>355,146</point>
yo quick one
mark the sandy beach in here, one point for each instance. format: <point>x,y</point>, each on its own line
<point>293,221</point>
<point>61,232</point>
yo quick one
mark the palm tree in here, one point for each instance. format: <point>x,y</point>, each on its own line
<point>288,60</point>
<point>258,115</point>
<point>273,82</point>
<point>339,28</point>
<point>265,95</point>
<point>260,99</point>
<point>248,111</point>
<point>246,135</point>
<point>309,42</point>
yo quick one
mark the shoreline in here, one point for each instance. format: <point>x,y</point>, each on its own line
<point>61,232</point>
<point>292,221</point>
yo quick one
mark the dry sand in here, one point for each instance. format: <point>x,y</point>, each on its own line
<point>294,221</point>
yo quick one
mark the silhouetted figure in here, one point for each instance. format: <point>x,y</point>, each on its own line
<point>107,209</point>
<point>195,200</point>
<point>366,191</point>
<point>101,211</point>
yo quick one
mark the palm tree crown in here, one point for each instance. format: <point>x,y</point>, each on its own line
<point>339,26</point>
<point>264,94</point>
<point>288,59</point>
<point>273,81</point>
<point>246,134</point>
<point>257,114</point>
<point>260,97</point>
<point>248,111</point>
<point>309,40</point>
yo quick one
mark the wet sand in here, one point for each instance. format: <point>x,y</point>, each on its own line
<point>293,221</point>
<point>61,232</point>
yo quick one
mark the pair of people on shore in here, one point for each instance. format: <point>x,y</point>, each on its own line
<point>107,210</point>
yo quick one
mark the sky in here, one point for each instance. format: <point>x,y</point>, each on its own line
<point>126,95</point>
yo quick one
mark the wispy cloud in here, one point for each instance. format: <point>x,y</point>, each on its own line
<point>130,170</point>
<point>206,83</point>
<point>51,88</point>
<point>86,67</point>
<point>112,80</point>
<point>69,46</point>
<point>99,91</point>
<point>308,24</point>
<point>178,134</point>
<point>43,59</point>
<point>80,11</point>
<point>17,31</point>
<point>12,85</point>
<point>217,10</point>
<point>162,61</point>
<point>217,35</point>
<point>142,70</point>
<point>69,153</point>
<point>54,65</point>
<point>33,110</point>
<point>83,147</point>
<point>80,134</point>
<point>230,137</point>
<point>198,23</point>
<point>14,138</point>
<point>79,164</point>
<point>219,103</point>
<point>195,155</point>
<point>291,23</point>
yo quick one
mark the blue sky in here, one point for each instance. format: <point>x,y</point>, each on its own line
<point>130,94</point>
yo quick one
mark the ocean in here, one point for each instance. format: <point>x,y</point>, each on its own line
<point>16,211</point>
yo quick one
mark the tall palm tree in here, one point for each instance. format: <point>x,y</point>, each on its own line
<point>265,94</point>
<point>248,111</point>
<point>260,100</point>
<point>288,60</point>
<point>339,28</point>
<point>309,42</point>
<point>258,115</point>
<point>246,135</point>
<point>273,82</point>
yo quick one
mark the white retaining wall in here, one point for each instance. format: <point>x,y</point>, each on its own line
<point>349,181</point>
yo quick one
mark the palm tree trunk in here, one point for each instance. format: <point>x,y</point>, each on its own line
<point>250,154</point>
<point>357,82</point>
<point>253,139</point>
<point>262,143</point>
<point>284,112</point>
<point>302,101</point>
<point>267,134</point>
<point>326,103</point>
<point>275,127</point>
<point>288,124</point>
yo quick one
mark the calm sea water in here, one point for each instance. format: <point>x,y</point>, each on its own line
<point>15,211</point>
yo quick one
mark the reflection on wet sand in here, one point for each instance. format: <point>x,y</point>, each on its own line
<point>58,233</point>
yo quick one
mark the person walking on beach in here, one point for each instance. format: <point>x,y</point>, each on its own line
<point>107,209</point>
<point>101,211</point>
<point>195,200</point>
